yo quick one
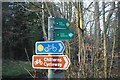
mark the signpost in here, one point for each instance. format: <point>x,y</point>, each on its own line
<point>49,47</point>
<point>58,29</point>
<point>50,62</point>
<point>63,34</point>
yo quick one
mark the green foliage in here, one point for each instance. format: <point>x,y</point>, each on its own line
<point>19,27</point>
<point>15,68</point>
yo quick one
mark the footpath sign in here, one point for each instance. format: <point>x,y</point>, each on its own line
<point>61,23</point>
<point>50,62</point>
<point>63,34</point>
<point>49,47</point>
<point>61,29</point>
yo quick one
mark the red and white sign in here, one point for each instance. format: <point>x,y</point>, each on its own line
<point>50,62</point>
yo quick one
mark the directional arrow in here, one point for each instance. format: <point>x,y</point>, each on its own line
<point>49,47</point>
<point>50,62</point>
<point>66,64</point>
<point>64,34</point>
<point>70,34</point>
<point>61,47</point>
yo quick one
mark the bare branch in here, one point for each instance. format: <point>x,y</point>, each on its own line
<point>27,56</point>
<point>31,10</point>
<point>48,9</point>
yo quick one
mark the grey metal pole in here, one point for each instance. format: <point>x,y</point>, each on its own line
<point>50,38</point>
<point>50,29</point>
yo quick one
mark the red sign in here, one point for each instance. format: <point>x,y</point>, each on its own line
<point>50,62</point>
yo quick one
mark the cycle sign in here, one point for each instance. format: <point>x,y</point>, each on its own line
<point>50,62</point>
<point>49,47</point>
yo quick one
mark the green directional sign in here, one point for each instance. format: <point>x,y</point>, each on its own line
<point>64,34</point>
<point>61,23</point>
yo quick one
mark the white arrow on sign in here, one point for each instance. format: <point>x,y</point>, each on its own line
<point>67,62</point>
<point>61,47</point>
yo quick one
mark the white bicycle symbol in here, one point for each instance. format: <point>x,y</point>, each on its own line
<point>50,47</point>
<point>38,62</point>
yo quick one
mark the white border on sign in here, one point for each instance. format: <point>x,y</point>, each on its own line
<point>49,42</point>
<point>51,68</point>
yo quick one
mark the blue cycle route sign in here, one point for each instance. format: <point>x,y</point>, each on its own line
<point>49,47</point>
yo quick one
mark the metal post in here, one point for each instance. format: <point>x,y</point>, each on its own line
<point>50,29</point>
<point>1,39</point>
<point>50,38</point>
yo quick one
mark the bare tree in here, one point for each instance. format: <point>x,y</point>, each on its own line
<point>96,37</point>
<point>106,25</point>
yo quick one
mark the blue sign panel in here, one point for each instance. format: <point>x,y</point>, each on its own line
<point>50,47</point>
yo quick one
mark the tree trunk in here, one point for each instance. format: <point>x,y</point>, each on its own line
<point>79,40</point>
<point>106,25</point>
<point>104,41</point>
<point>118,29</point>
<point>113,53</point>
<point>97,38</point>
<point>83,51</point>
<point>43,23</point>
<point>81,48</point>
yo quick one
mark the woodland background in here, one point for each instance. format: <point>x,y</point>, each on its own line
<point>94,50</point>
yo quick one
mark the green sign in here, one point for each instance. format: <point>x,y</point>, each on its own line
<point>61,23</point>
<point>64,34</point>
